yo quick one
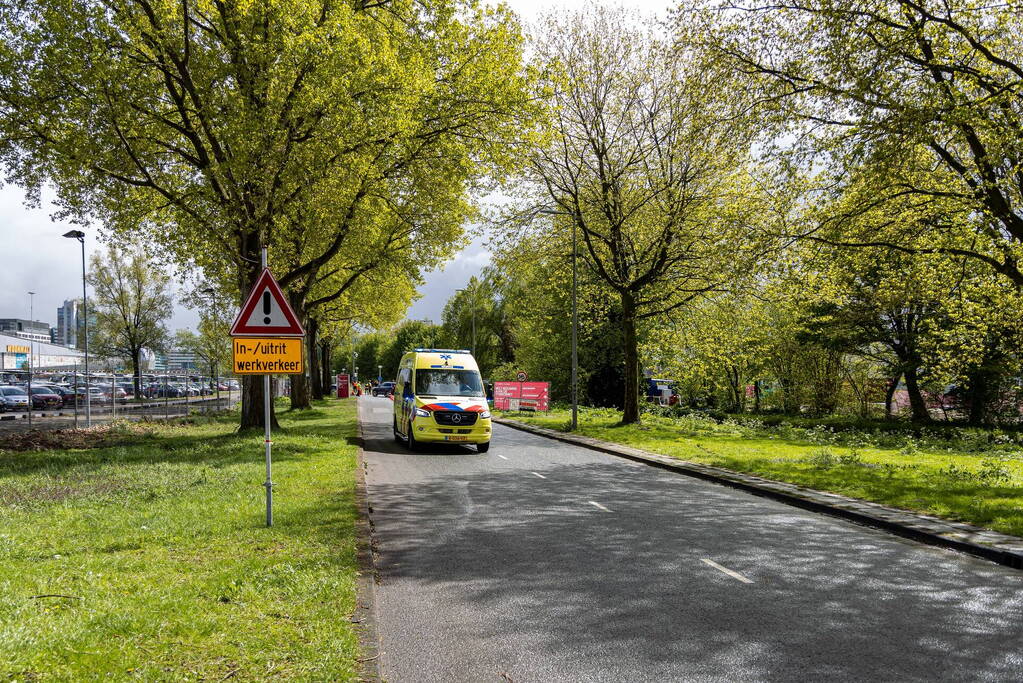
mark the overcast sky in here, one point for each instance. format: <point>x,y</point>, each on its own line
<point>36,258</point>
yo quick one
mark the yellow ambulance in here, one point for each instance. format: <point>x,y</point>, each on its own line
<point>439,398</point>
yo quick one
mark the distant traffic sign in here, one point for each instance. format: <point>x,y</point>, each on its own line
<point>267,356</point>
<point>521,376</point>
<point>266,312</point>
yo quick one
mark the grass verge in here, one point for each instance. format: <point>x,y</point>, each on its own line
<point>148,558</point>
<point>974,476</point>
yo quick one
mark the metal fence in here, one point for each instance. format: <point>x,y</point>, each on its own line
<point>102,397</point>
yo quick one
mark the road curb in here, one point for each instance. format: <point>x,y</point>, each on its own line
<point>365,614</point>
<point>990,545</point>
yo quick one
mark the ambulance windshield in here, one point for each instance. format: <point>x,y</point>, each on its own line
<point>445,382</point>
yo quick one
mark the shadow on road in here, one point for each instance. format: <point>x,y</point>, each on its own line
<point>515,557</point>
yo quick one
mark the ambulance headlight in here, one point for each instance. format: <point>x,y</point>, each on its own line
<point>485,415</point>
<point>422,413</point>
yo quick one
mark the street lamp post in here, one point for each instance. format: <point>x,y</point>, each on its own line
<point>575,321</point>
<point>32,319</point>
<point>80,236</point>
<point>216,364</point>
<point>31,351</point>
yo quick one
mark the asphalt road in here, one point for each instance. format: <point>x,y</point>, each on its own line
<point>542,561</point>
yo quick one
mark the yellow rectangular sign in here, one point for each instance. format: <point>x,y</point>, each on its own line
<point>267,356</point>
<point>11,348</point>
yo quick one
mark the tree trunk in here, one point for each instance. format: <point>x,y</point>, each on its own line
<point>756,396</point>
<point>300,395</point>
<point>889,394</point>
<point>979,393</point>
<point>789,404</point>
<point>630,405</point>
<point>733,385</point>
<point>252,404</point>
<point>916,400</point>
<point>325,347</point>
<point>313,352</point>
<point>136,370</point>
<point>301,399</point>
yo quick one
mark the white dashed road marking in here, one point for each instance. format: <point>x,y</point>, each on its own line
<point>502,457</point>
<point>537,474</point>
<point>599,506</point>
<point>725,570</point>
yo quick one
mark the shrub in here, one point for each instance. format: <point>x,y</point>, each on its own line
<point>822,459</point>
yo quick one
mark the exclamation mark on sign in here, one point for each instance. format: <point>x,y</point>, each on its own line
<point>266,308</point>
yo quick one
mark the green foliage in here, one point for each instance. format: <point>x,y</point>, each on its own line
<point>409,335</point>
<point>347,138</point>
<point>477,318</point>
<point>131,301</point>
<point>908,109</point>
<point>647,162</point>
<point>211,341</point>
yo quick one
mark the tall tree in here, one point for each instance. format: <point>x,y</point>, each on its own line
<point>405,337</point>
<point>476,318</point>
<point>910,106</point>
<point>646,152</point>
<point>211,341</point>
<point>131,302</point>
<point>223,127</point>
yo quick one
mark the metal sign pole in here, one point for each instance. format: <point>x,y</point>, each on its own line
<point>266,440</point>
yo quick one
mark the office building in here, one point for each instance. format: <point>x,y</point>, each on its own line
<point>180,360</point>
<point>67,323</point>
<point>25,329</point>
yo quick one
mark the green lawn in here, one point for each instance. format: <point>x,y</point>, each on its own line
<point>969,475</point>
<point>159,541</point>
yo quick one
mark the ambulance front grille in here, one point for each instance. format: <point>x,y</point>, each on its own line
<point>455,418</point>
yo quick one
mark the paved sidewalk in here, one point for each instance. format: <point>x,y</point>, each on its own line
<point>991,545</point>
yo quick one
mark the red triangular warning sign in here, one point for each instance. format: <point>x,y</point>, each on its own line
<point>266,312</point>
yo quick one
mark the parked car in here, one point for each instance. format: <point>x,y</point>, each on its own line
<point>14,398</point>
<point>97,395</point>
<point>112,392</point>
<point>169,390</point>
<point>383,389</point>
<point>67,395</point>
<point>44,397</point>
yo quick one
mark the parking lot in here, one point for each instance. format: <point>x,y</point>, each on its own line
<point>71,417</point>
<point>63,398</point>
